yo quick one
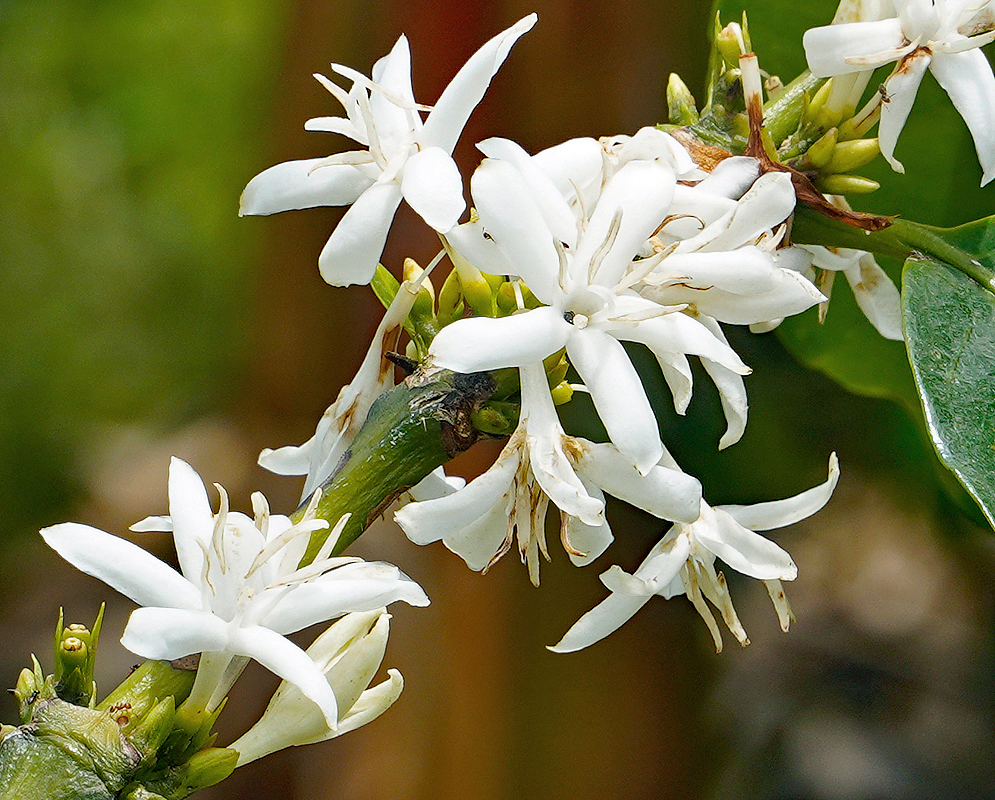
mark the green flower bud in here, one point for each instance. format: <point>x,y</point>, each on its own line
<point>562,393</point>
<point>450,300</point>
<point>730,44</point>
<point>846,184</point>
<point>206,768</point>
<point>848,156</point>
<point>821,151</point>
<point>680,102</point>
<point>152,730</point>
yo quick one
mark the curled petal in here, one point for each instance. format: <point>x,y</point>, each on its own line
<point>744,550</point>
<point>899,93</point>
<point>779,513</point>
<point>852,46</point>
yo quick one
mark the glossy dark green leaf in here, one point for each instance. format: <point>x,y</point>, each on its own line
<point>950,326</point>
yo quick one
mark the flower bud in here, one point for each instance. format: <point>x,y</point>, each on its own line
<point>681,107</point>
<point>846,184</point>
<point>848,156</point>
<point>450,300</point>
<point>730,44</point>
<point>820,153</point>
<point>349,654</point>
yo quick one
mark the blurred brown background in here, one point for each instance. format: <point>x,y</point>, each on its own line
<point>141,318</point>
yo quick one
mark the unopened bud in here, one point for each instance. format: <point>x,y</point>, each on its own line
<point>681,107</point>
<point>821,151</point>
<point>848,156</point>
<point>206,768</point>
<point>730,44</point>
<point>450,300</point>
<point>149,732</point>
<point>846,184</point>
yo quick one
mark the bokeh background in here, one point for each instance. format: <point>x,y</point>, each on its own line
<point>141,318</point>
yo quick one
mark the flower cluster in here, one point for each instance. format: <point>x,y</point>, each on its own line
<point>569,259</point>
<point>943,36</point>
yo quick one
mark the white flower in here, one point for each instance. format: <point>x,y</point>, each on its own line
<point>348,654</point>
<point>405,157</point>
<point>240,591</point>
<point>540,463</point>
<point>683,562</point>
<point>941,35</point>
<point>577,266</point>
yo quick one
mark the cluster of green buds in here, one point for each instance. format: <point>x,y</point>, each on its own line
<point>811,125</point>
<point>127,746</point>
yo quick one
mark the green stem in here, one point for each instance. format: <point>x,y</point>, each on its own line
<point>900,240</point>
<point>411,430</point>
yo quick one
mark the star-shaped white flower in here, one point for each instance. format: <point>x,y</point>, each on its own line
<point>405,157</point>
<point>540,463</point>
<point>240,592</point>
<point>683,562</point>
<point>940,35</point>
<point>577,266</point>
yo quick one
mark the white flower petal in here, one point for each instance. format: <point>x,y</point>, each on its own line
<point>122,565</point>
<point>511,217</point>
<point>353,250</point>
<point>483,343</point>
<point>431,520</point>
<point>432,186</point>
<point>839,49</point>
<point>745,551</point>
<point>571,165</point>
<point>361,586</point>
<point>636,199</point>
<point>731,177</point>
<point>588,541</point>
<point>618,395</point>
<point>967,78</point>
<point>554,208</point>
<point>679,333</point>
<point>779,513</point>
<point>605,618</point>
<point>191,515</point>
<point>665,493</point>
<point>877,296</point>
<point>900,93</point>
<point>284,658</point>
<point>302,184</point>
<point>170,633</point>
<point>393,74</point>
<point>465,91</point>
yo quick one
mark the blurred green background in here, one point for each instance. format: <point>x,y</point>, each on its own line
<point>141,318</point>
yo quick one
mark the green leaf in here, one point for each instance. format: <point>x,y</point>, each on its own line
<point>950,328</point>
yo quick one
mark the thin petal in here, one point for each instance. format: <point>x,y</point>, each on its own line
<point>560,220</point>
<point>482,343</point>
<point>431,520</point>
<point>192,517</point>
<point>899,94</point>
<point>432,186</point>
<point>361,586</point>
<point>122,565</point>
<point>967,78</point>
<point>618,395</point>
<point>302,184</point>
<point>605,618</point>
<point>877,296</point>
<point>779,513</point>
<point>745,551</point>
<point>637,196</point>
<point>353,250</point>
<point>446,121</point>
<point>170,633</point>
